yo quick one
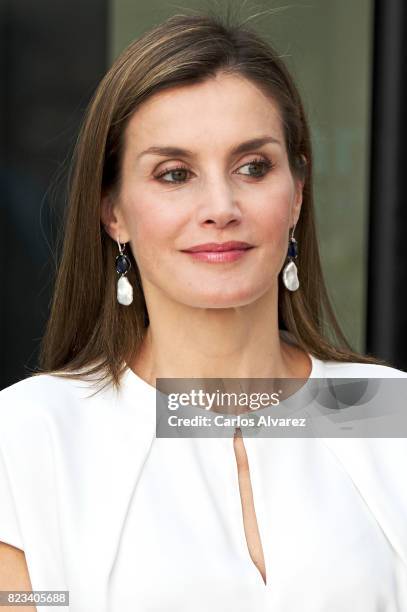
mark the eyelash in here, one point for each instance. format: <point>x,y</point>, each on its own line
<point>263,161</point>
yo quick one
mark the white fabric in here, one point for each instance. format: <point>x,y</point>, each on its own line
<point>127,521</point>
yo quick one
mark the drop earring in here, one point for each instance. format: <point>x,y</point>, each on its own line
<point>290,272</point>
<point>124,288</point>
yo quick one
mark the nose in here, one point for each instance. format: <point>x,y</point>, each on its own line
<point>219,206</point>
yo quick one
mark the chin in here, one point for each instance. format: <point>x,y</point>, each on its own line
<point>221,298</point>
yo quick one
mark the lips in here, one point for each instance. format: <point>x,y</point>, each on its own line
<point>216,247</point>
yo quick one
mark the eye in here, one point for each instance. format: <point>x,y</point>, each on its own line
<point>263,163</point>
<point>177,170</point>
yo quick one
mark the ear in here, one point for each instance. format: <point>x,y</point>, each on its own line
<point>299,187</point>
<point>112,219</point>
<point>296,209</point>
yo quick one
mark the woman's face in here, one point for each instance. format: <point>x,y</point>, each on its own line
<point>170,201</point>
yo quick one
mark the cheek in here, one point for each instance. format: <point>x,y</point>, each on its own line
<point>273,222</point>
<point>151,229</point>
<point>274,217</point>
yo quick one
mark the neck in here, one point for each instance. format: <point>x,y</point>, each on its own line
<point>238,342</point>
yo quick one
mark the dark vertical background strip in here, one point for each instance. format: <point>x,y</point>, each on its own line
<point>386,331</point>
<point>53,54</point>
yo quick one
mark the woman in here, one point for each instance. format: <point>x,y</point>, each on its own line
<point>196,135</point>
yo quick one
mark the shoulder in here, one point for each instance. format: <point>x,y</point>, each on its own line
<point>34,388</point>
<point>65,408</point>
<point>336,369</point>
<point>49,397</point>
<point>47,415</point>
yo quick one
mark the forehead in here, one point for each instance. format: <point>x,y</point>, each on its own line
<point>220,110</point>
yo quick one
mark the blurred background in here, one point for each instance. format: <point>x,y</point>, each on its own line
<point>349,59</point>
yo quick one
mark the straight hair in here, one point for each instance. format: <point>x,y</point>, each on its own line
<point>88,333</point>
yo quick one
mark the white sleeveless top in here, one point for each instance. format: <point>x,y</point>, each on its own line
<point>128,521</point>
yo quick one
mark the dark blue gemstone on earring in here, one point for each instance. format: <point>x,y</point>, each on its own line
<point>292,248</point>
<point>122,264</point>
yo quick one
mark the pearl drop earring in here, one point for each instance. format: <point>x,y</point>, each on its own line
<point>290,272</point>
<point>124,288</point>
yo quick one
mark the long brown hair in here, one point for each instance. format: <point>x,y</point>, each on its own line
<point>88,331</point>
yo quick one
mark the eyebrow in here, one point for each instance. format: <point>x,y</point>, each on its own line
<point>244,147</point>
